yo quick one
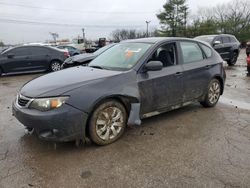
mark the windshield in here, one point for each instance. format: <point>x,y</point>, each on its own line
<point>103,49</point>
<point>208,39</point>
<point>121,56</point>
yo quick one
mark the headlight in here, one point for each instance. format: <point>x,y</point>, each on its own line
<point>46,104</point>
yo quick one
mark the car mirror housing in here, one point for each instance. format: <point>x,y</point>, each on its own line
<point>217,42</point>
<point>154,66</point>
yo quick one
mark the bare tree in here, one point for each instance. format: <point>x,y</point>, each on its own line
<point>124,34</point>
<point>54,36</point>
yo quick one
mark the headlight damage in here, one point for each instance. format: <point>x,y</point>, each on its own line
<point>46,104</point>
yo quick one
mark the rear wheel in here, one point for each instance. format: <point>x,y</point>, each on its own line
<point>1,72</point>
<point>107,123</point>
<point>233,59</point>
<point>55,66</point>
<point>248,70</point>
<point>213,93</point>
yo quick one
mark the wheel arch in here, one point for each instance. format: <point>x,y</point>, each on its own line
<point>219,78</point>
<point>125,100</point>
<point>237,51</point>
<point>55,59</point>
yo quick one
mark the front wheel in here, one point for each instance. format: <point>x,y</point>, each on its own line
<point>213,93</point>
<point>107,123</point>
<point>55,66</point>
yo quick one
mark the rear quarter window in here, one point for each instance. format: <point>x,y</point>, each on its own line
<point>208,51</point>
<point>233,39</point>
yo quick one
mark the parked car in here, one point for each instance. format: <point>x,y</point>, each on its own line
<point>248,49</point>
<point>29,58</point>
<point>226,45</point>
<point>72,50</point>
<point>91,49</point>
<point>84,59</point>
<point>132,80</point>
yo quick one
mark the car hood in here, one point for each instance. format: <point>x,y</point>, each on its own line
<point>80,58</point>
<point>57,83</point>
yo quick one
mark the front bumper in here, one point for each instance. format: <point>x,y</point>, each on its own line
<point>60,125</point>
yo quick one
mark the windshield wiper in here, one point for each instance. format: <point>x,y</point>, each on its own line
<point>96,66</point>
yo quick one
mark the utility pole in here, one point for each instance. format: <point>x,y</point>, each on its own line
<point>185,21</point>
<point>83,35</point>
<point>147,22</point>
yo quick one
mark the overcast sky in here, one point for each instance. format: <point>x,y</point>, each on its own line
<point>31,21</point>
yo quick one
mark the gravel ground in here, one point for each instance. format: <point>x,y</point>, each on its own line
<point>189,147</point>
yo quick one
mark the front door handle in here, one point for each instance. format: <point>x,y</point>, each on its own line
<point>178,73</point>
<point>208,66</point>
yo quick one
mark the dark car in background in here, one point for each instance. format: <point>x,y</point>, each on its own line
<point>130,81</point>
<point>84,59</point>
<point>72,50</point>
<point>226,45</point>
<point>28,59</point>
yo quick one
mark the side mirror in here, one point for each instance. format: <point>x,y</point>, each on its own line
<point>217,42</point>
<point>10,55</point>
<point>154,66</point>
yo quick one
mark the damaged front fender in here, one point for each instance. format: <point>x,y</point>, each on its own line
<point>134,115</point>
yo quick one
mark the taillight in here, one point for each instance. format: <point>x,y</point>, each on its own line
<point>66,54</point>
<point>248,61</point>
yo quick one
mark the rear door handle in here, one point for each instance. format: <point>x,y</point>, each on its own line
<point>208,66</point>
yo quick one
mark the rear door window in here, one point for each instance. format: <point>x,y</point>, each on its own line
<point>225,40</point>
<point>37,51</point>
<point>191,52</point>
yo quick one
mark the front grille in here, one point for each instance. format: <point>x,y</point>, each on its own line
<point>22,101</point>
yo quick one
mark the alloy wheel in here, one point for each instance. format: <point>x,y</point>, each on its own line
<point>55,66</point>
<point>214,92</point>
<point>109,123</point>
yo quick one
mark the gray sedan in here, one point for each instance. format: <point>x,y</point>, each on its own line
<point>132,80</point>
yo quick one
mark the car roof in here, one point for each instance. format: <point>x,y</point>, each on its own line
<point>216,35</point>
<point>41,46</point>
<point>155,40</point>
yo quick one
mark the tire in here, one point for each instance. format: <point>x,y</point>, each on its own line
<point>248,70</point>
<point>107,123</point>
<point>213,94</point>
<point>1,72</point>
<point>233,59</point>
<point>55,66</point>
